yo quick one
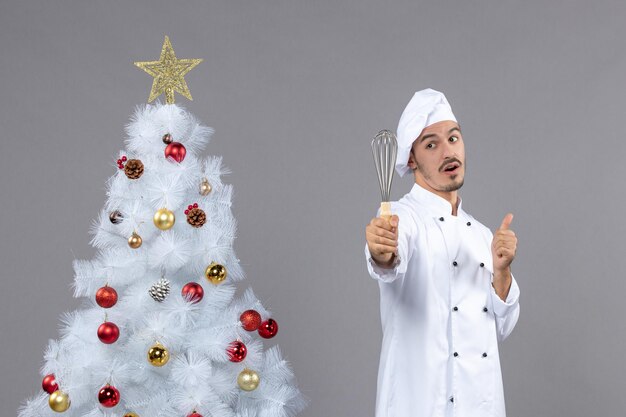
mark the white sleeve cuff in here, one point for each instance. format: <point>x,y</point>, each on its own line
<point>502,308</point>
<point>384,274</point>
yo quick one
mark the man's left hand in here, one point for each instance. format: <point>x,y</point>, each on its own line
<point>503,249</point>
<point>504,245</point>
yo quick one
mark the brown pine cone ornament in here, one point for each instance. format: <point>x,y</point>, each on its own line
<point>195,216</point>
<point>133,169</point>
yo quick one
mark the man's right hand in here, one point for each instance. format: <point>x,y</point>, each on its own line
<point>382,240</point>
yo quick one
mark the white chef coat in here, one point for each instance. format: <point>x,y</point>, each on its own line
<point>441,316</point>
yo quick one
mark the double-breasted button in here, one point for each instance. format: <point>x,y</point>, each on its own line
<point>482,264</point>
<point>455,308</point>
<point>485,355</point>
<point>469,223</point>
<point>456,354</point>
<point>485,309</point>
<point>455,263</point>
<point>441,219</point>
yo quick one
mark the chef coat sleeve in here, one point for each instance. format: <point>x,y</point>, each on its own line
<point>398,269</point>
<point>506,312</point>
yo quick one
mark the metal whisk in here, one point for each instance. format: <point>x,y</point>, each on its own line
<point>385,149</point>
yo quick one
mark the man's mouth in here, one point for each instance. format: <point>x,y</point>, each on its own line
<point>450,167</point>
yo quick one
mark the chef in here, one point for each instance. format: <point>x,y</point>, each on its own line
<point>447,295</point>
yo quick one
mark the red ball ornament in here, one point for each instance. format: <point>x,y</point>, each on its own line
<point>237,351</point>
<point>49,384</point>
<point>108,332</point>
<point>250,320</point>
<point>106,297</point>
<point>193,292</point>
<point>194,415</point>
<point>268,329</point>
<point>109,396</point>
<point>176,151</point>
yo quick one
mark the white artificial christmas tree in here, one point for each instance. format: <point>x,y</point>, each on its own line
<point>160,332</point>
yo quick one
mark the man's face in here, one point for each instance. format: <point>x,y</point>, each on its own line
<point>438,158</point>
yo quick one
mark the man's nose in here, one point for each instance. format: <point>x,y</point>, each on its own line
<point>448,150</point>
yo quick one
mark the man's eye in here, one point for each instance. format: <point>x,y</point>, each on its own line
<point>430,146</point>
<point>453,139</point>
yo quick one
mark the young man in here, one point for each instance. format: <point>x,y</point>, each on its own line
<point>447,295</point>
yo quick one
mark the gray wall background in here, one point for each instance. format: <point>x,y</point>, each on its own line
<point>295,90</point>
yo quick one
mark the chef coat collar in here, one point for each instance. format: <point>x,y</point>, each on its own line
<point>439,205</point>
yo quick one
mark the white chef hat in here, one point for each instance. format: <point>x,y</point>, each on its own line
<point>427,107</point>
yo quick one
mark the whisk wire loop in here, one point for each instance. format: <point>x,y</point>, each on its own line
<point>384,150</point>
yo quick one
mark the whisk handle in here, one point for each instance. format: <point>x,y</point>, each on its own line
<point>385,210</point>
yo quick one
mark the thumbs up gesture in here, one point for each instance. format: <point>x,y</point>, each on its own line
<point>504,245</point>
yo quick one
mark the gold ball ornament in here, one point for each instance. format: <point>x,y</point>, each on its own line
<point>215,273</point>
<point>164,219</point>
<point>248,380</point>
<point>59,401</point>
<point>205,187</point>
<point>158,355</point>
<point>135,241</point>
<point>131,415</point>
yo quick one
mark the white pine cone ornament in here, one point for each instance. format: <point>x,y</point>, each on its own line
<point>160,290</point>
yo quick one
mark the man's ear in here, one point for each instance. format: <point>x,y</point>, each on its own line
<point>412,164</point>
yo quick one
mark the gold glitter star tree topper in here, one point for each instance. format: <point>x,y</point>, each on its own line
<point>169,73</point>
